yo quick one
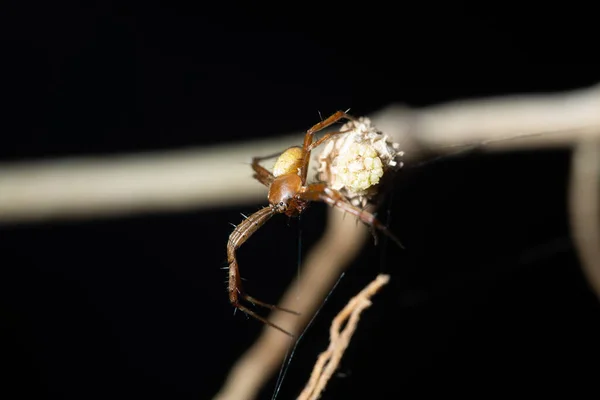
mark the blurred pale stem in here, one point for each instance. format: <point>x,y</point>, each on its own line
<point>93,187</point>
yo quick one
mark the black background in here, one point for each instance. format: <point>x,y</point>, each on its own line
<point>488,297</point>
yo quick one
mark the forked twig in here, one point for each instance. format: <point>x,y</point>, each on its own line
<point>339,338</point>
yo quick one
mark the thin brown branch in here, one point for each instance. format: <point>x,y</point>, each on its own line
<point>339,339</point>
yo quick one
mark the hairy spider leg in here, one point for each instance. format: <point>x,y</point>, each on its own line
<point>321,192</point>
<point>236,292</point>
<point>308,138</point>
<point>262,174</point>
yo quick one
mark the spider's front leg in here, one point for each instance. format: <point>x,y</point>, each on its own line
<point>309,145</point>
<point>321,192</point>
<point>236,292</point>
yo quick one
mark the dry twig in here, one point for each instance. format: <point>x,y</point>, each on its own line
<point>339,339</point>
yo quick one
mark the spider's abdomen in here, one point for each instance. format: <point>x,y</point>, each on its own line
<point>289,162</point>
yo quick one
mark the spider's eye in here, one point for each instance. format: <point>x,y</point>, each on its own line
<point>281,203</point>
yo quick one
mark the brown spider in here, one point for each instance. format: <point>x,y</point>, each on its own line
<point>288,194</point>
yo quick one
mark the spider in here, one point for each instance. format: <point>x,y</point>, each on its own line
<point>289,194</point>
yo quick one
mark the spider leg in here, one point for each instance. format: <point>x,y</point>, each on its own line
<point>308,138</point>
<point>236,293</point>
<point>262,174</point>
<point>321,192</point>
<point>265,321</point>
<point>255,301</point>
<point>325,138</point>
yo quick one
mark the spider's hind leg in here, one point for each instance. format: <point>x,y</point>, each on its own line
<point>262,174</point>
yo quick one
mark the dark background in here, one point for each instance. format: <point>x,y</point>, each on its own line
<point>488,296</point>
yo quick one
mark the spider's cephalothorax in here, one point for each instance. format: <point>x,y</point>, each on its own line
<point>289,194</point>
<point>287,184</point>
